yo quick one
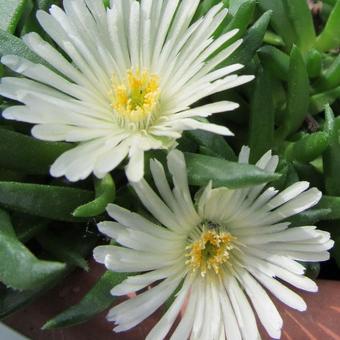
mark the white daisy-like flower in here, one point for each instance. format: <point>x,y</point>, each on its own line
<point>219,254</point>
<point>125,83</point>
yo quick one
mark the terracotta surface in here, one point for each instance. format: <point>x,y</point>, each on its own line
<point>322,321</point>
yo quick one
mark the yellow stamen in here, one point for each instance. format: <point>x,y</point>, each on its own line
<point>210,251</point>
<point>136,98</point>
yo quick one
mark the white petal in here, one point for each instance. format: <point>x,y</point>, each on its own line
<point>244,314</point>
<point>135,167</point>
<point>155,205</point>
<point>133,311</point>
<point>137,222</point>
<point>287,194</point>
<point>160,330</point>
<point>184,327</point>
<point>300,203</point>
<point>266,310</point>
<point>283,293</point>
<point>191,124</point>
<point>138,282</point>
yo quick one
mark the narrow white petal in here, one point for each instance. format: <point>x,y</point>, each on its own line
<point>283,293</point>
<point>160,330</point>
<point>137,222</point>
<point>133,311</point>
<point>155,205</point>
<point>244,314</point>
<point>135,167</point>
<point>266,310</point>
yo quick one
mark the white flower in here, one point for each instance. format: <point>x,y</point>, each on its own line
<point>219,254</point>
<point>125,82</point>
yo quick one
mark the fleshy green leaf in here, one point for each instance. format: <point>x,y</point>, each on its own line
<point>204,7</point>
<point>298,95</point>
<point>307,148</point>
<point>332,203</point>
<point>202,169</point>
<point>48,201</point>
<point>330,36</point>
<point>9,44</point>
<point>235,5</point>
<point>28,155</point>
<point>105,194</point>
<point>19,268</point>
<point>240,21</point>
<point>95,301</point>
<point>318,101</point>
<point>242,18</point>
<point>314,63</point>
<point>10,13</point>
<point>262,116</point>
<point>301,21</point>
<point>11,300</point>
<point>280,20</point>
<point>275,60</point>
<point>215,144</point>
<point>273,39</point>
<point>331,158</point>
<point>331,77</point>
<point>252,41</point>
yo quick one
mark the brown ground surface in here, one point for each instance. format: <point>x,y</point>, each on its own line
<point>321,321</point>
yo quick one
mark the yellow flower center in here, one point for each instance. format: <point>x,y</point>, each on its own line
<point>210,251</point>
<point>135,99</point>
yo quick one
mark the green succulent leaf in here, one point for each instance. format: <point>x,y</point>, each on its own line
<point>331,157</point>
<point>10,13</point>
<point>301,21</point>
<point>94,302</point>
<point>314,63</point>
<point>10,44</point>
<point>262,117</point>
<point>280,20</point>
<point>330,36</point>
<point>204,8</point>
<point>275,60</point>
<point>11,300</point>
<point>202,169</point>
<point>19,268</point>
<point>105,193</point>
<point>242,11</point>
<point>298,95</point>
<point>330,78</point>
<point>239,21</point>
<point>308,147</point>
<point>53,202</point>
<point>28,155</point>
<point>251,42</point>
<point>331,203</point>
<point>319,100</point>
<point>214,144</point>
